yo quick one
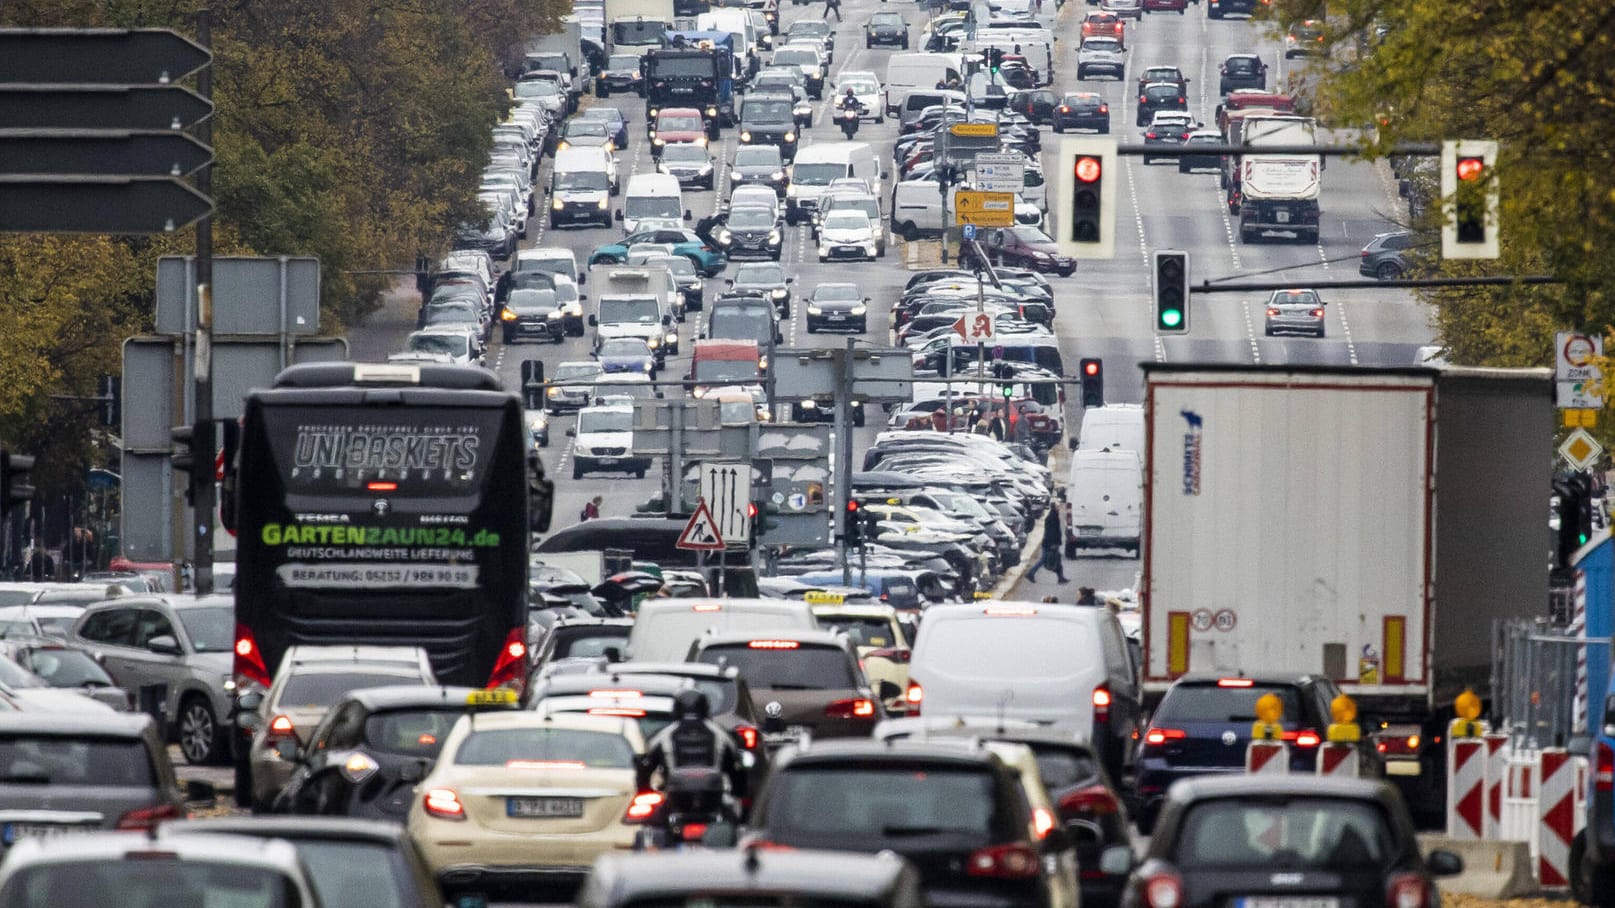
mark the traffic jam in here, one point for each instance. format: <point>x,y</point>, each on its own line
<point>389,715</point>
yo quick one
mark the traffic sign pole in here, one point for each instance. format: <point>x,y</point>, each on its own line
<point>202,516</point>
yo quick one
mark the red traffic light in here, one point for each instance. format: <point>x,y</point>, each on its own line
<point>1090,368</point>
<point>1087,169</point>
<point>1471,168</point>
<point>751,509</point>
<point>852,505</point>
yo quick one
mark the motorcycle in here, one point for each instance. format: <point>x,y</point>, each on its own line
<point>695,809</point>
<point>850,116</point>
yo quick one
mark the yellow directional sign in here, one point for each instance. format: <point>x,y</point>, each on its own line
<point>974,129</point>
<point>984,209</point>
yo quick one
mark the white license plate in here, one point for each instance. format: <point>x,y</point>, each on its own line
<point>1090,531</point>
<point>791,735</point>
<point>1286,902</point>
<point>544,808</point>
<point>605,461</point>
<point>1284,217</point>
<point>12,833</point>
<point>838,318</point>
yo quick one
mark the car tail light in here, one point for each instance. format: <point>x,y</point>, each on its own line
<point>1014,861</point>
<point>144,818</point>
<point>643,806</point>
<point>1095,799</point>
<point>854,708</point>
<point>281,726</point>
<point>748,736</point>
<point>509,670</point>
<point>1407,890</point>
<point>443,803</point>
<point>1064,109</point>
<point>1150,135</point>
<point>1303,738</point>
<point>1272,311</point>
<point>693,832</point>
<point>1158,736</point>
<point>1101,703</point>
<point>1317,313</point>
<point>1604,773</point>
<point>1238,682</point>
<point>249,660</point>
<point>913,697</point>
<point>891,653</point>
<point>1163,889</point>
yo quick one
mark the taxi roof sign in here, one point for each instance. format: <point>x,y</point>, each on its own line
<point>498,696</point>
<point>823,597</point>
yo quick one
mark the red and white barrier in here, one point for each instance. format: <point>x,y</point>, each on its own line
<point>1338,760</point>
<point>1556,806</point>
<point>1272,757</point>
<point>1466,787</point>
<point>1497,754</point>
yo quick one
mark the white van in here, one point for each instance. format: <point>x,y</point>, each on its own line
<point>1119,427</point>
<point>906,72</point>
<point>817,164</point>
<point>737,22</point>
<point>581,186</point>
<point>665,629</point>
<point>651,195</point>
<point>1104,500</point>
<point>1041,663</point>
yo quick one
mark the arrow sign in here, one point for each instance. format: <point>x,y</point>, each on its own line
<point>101,107</point>
<point>112,205</point>
<point>156,154</point>
<point>98,55</point>
<point>701,533</point>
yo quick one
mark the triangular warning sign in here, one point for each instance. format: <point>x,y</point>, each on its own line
<point>701,533</point>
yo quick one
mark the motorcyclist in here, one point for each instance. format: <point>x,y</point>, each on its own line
<point>852,111</point>
<point>693,745</point>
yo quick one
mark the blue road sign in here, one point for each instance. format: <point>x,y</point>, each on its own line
<point>970,231</point>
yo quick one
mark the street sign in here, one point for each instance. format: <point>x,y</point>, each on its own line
<point>984,209</point>
<point>969,231</point>
<point>98,55</point>
<point>725,490</point>
<point>89,204</point>
<point>700,534</point>
<point>101,107</point>
<point>1000,172</point>
<point>1574,355</point>
<point>1580,449</point>
<point>109,152</point>
<point>977,327</point>
<point>252,295</point>
<point>1580,395</point>
<point>978,130</point>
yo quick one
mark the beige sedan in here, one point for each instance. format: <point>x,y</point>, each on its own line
<point>883,649</point>
<point>518,800</point>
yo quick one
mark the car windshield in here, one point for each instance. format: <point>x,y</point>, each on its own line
<point>451,314</point>
<point>652,206</point>
<point>351,872</point>
<point>830,293</point>
<point>160,880</point>
<point>743,323</point>
<point>865,630</point>
<point>785,665</point>
<point>576,370</point>
<point>535,299</point>
<point>451,344</point>
<point>540,748</point>
<point>1294,298</point>
<point>684,154</point>
<point>537,88</point>
<point>846,220</point>
<point>595,421</point>
<point>577,127</point>
<point>321,689</point>
<point>887,19</point>
<point>1103,45</point>
<point>1288,833</point>
<point>726,371</point>
<point>796,58</point>
<point>757,156</point>
<point>666,123</point>
<point>1062,767</point>
<point>767,110</point>
<point>1030,235</point>
<point>759,274</point>
<point>591,642</point>
<point>628,62</point>
<point>582,180</point>
<point>808,30</point>
<point>1158,92</point>
<point>212,629</point>
<point>1240,64</point>
<point>751,219</point>
<point>620,311</point>
<point>624,346</point>
<point>65,667</point>
<point>817,174</point>
<point>76,760</point>
<point>830,805</point>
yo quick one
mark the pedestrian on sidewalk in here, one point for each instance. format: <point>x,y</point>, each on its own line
<point>832,6</point>
<point>1085,596</point>
<point>1053,541</point>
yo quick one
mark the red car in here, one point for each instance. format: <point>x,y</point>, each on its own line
<point>1104,25</point>
<point>676,125</point>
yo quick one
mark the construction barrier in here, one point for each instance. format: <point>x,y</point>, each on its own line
<point>1556,806</point>
<point>1337,760</point>
<point>1267,757</point>
<point>1497,754</point>
<point>1466,787</point>
<point>1519,818</point>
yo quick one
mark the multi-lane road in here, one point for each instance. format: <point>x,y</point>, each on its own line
<point>1103,309</point>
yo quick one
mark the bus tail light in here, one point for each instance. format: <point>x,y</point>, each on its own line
<point>509,670</point>
<point>249,660</point>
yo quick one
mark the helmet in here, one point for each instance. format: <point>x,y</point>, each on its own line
<point>691,703</point>
<point>849,91</point>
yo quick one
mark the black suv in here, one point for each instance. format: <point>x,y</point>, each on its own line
<point>1160,96</point>
<point>1082,110</point>
<point>768,119</point>
<point>958,814</point>
<point>1241,71</point>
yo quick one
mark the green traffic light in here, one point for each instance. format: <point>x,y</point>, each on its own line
<point>1581,538</point>
<point>1171,318</point>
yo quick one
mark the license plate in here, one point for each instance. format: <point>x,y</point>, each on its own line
<point>1284,217</point>
<point>1090,531</point>
<point>838,318</point>
<point>12,833</point>
<point>791,735</point>
<point>607,460</point>
<point>1286,902</point>
<point>544,808</point>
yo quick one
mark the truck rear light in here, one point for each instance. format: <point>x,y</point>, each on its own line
<point>1407,890</point>
<point>853,708</point>
<point>1155,737</point>
<point>249,660</point>
<point>510,669</point>
<point>443,803</point>
<point>1095,800</point>
<point>145,818</point>
<point>1014,861</point>
<point>1163,889</point>
<point>1604,773</point>
<point>1101,703</point>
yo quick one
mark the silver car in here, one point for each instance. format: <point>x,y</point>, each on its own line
<point>1098,54</point>
<point>1295,312</point>
<point>174,650</point>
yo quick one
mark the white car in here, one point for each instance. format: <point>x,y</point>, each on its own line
<point>867,89</point>
<point>461,345</point>
<point>1098,54</point>
<point>847,234</point>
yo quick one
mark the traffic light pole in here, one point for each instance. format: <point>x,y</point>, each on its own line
<point>202,478</point>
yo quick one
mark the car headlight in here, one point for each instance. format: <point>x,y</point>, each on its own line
<point>778,293</point>
<point>814,310</point>
<point>790,193</point>
<point>553,392</point>
<point>859,310</point>
<point>563,146</point>
<point>774,236</point>
<point>656,141</point>
<point>507,315</point>
<point>552,316</point>
<point>653,342</point>
<point>603,204</point>
<point>790,136</point>
<point>557,204</point>
<point>537,425</point>
<point>574,309</point>
<point>762,362</point>
<point>696,285</point>
<point>701,141</point>
<point>777,175</point>
<point>648,365</point>
<point>723,236</point>
<point>810,404</point>
<point>712,111</point>
<point>817,73</point>
<point>672,338</point>
<point>745,135</point>
<point>705,168</point>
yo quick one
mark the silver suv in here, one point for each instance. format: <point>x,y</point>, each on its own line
<point>174,650</point>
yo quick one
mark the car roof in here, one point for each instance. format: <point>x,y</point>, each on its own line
<point>296,827</point>
<point>277,855</point>
<point>401,696</point>
<point>684,669</point>
<point>806,636</point>
<point>115,725</point>
<point>1245,786</point>
<point>584,682</point>
<point>831,875</point>
<point>178,601</point>
<point>868,750</point>
<point>989,727</point>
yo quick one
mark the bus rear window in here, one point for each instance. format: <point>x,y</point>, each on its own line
<point>420,452</point>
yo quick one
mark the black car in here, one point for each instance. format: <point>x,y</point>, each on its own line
<point>744,316</point>
<point>886,28</point>
<point>1160,96</point>
<point>837,307</point>
<point>373,746</point>
<point>768,119</point>
<point>1036,105</point>
<point>750,232</point>
<point>1082,110</point>
<point>759,165</point>
<point>1241,71</point>
<point>1286,839</point>
<point>532,313</point>
<point>958,813</point>
<point>621,73</point>
<point>1386,255</point>
<point>1164,74</point>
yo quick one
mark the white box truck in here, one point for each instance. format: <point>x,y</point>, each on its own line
<point>1368,524</point>
<point>1279,192</point>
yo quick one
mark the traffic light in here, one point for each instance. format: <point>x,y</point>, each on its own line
<point>1085,224</point>
<point>1093,382</point>
<point>1575,514</point>
<point>188,456</point>
<point>855,524</point>
<point>1470,194</point>
<point>16,487</point>
<point>1171,291</point>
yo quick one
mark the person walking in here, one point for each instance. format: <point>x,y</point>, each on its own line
<point>591,511</point>
<point>832,6</point>
<point>1052,557</point>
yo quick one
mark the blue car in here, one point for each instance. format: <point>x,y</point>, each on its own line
<point>626,354</point>
<point>709,261</point>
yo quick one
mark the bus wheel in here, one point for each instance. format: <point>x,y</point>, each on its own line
<point>200,738</point>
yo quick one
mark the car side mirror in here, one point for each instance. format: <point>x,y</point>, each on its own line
<point>619,214</point>
<point>1117,860</point>
<point>571,432</point>
<point>289,749</point>
<point>687,215</point>
<point>200,793</point>
<point>1444,863</point>
<point>164,644</point>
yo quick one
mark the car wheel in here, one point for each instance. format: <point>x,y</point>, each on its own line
<point>510,338</point>
<point>868,44</point>
<point>577,470</point>
<point>1387,271</point>
<point>602,90</point>
<point>200,738</point>
<point>810,328</point>
<point>243,775</point>
<point>1081,74</point>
